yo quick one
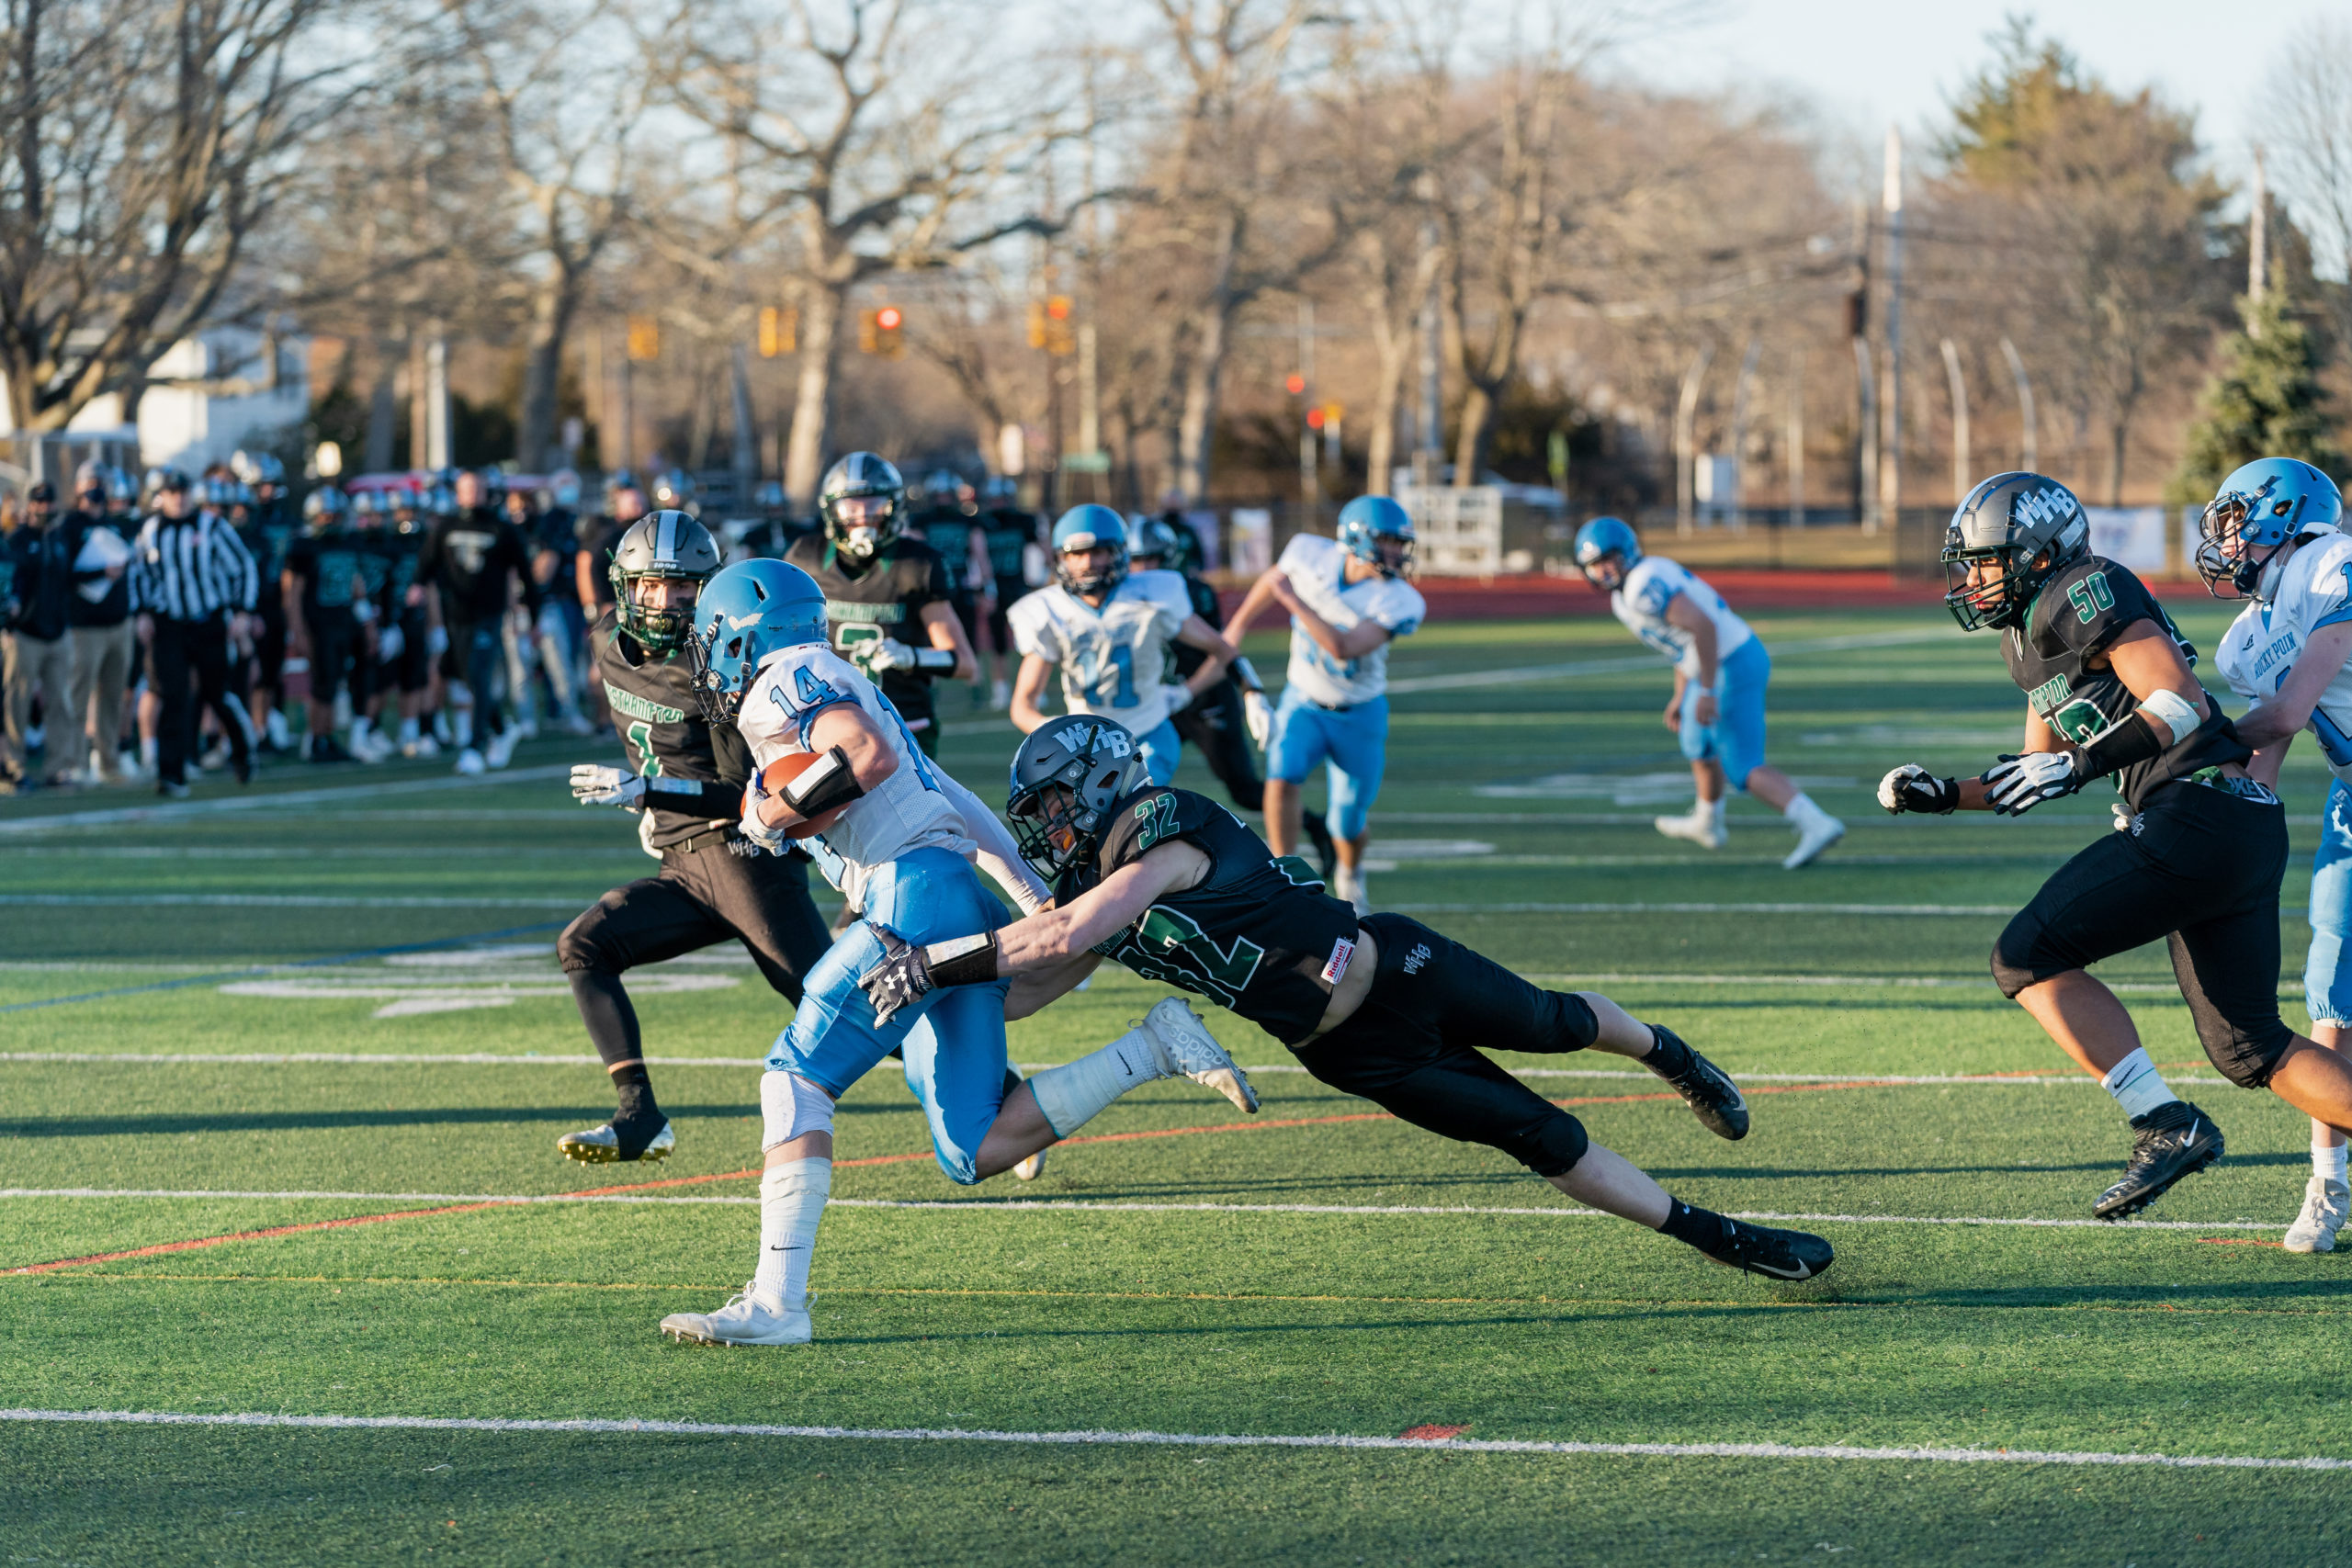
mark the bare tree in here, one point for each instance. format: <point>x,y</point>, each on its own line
<point>2307,123</point>
<point>144,144</point>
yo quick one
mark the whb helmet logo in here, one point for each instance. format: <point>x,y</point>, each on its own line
<point>1114,742</point>
<point>2044,505</point>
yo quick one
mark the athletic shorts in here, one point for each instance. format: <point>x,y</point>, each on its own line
<point>1352,743</point>
<point>2200,869</point>
<point>1413,1046</point>
<point>414,664</point>
<point>1737,737</point>
<point>2327,969</point>
<point>335,646</point>
<point>269,645</point>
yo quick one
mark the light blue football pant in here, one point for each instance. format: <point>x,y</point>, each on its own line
<point>1737,737</point>
<point>2327,974</point>
<point>1352,743</point>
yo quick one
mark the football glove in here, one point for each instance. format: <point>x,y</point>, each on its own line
<point>900,980</point>
<point>2016,785</point>
<point>1179,696</point>
<point>1912,788</point>
<point>882,653</point>
<point>1259,714</point>
<point>595,784</point>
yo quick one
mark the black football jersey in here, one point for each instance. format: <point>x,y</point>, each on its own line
<point>949,532</point>
<point>1186,658</point>
<point>2079,615</point>
<point>886,599</point>
<point>1250,938</point>
<point>327,565</point>
<point>269,534</point>
<point>1008,533</point>
<point>666,736</point>
<point>390,567</point>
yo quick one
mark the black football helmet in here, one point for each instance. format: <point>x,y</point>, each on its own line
<point>660,544</point>
<point>861,531</point>
<point>2028,525</point>
<point>1066,776</point>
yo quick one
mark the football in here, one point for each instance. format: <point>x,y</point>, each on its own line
<point>772,779</point>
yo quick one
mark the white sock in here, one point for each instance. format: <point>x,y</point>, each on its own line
<point>2327,1152</point>
<point>408,732</point>
<point>1711,812</point>
<point>147,754</point>
<point>1075,1093</point>
<point>2137,1086</point>
<point>1801,809</point>
<point>792,1200</point>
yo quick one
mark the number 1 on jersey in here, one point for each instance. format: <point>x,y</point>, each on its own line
<point>640,735</point>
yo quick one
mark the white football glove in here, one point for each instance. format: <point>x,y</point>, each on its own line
<point>1260,715</point>
<point>1912,788</point>
<point>882,653</point>
<point>1179,696</point>
<point>2016,785</point>
<point>390,643</point>
<point>595,784</point>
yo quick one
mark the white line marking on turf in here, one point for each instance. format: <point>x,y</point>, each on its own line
<point>1076,1205</point>
<point>287,901</point>
<point>1175,1439</point>
<point>177,811</point>
<point>1681,908</point>
<point>1471,680</point>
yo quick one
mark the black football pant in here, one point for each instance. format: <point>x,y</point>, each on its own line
<point>476,659</point>
<point>2199,870</point>
<point>697,899</point>
<point>1218,726</point>
<point>182,653</point>
<point>1413,1047</point>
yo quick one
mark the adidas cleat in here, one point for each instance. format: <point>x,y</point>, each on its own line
<point>2315,1229</point>
<point>2168,1143</point>
<point>1774,1254</point>
<point>1714,1100</point>
<point>742,1321</point>
<point>604,1145</point>
<point>1188,1050</point>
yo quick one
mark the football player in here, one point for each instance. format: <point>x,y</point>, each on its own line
<point>686,779</point>
<point>901,838</point>
<point>888,597</point>
<point>1348,601</point>
<point>1009,533</point>
<point>1223,720</point>
<point>1110,630</point>
<point>1720,673</point>
<point>2271,537</point>
<point>1173,886</point>
<point>949,522</point>
<point>2201,846</point>
<point>322,588</point>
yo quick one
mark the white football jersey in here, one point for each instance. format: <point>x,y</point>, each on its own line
<point>1654,584</point>
<point>1114,660</point>
<point>1316,568</point>
<point>2262,644</point>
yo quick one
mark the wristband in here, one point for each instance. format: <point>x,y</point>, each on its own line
<point>964,960</point>
<point>829,782</point>
<point>664,784</point>
<point>935,658</point>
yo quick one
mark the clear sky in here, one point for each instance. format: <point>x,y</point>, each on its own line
<point>1865,62</point>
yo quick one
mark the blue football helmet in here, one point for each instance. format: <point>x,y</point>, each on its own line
<point>1081,531</point>
<point>1607,539</point>
<point>744,613</point>
<point>1369,519</point>
<point>2262,507</point>
<point>1150,537</point>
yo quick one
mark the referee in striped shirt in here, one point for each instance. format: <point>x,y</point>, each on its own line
<point>192,583</point>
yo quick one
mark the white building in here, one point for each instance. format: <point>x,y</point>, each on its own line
<point>189,426</point>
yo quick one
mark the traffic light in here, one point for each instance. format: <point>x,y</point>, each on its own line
<point>779,331</point>
<point>644,338</point>
<point>887,322</point>
<point>1049,326</point>
<point>1296,384</point>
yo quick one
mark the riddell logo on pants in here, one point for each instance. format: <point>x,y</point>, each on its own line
<point>1415,959</point>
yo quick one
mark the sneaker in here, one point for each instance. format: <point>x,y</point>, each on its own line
<point>1704,828</point>
<point>1775,1254</point>
<point>1814,839</point>
<point>2315,1229</point>
<point>1352,888</point>
<point>604,1145</point>
<point>1713,1098</point>
<point>1031,1169</point>
<point>275,733</point>
<point>1001,696</point>
<point>469,761</point>
<point>371,747</point>
<point>742,1321</point>
<point>501,749</point>
<point>576,723</point>
<point>1188,1050</point>
<point>172,789</point>
<point>215,758</point>
<point>2170,1142</point>
<point>424,746</point>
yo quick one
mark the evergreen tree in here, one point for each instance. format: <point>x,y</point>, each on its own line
<point>2267,402</point>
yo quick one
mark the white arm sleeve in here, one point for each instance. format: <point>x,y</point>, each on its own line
<point>995,852</point>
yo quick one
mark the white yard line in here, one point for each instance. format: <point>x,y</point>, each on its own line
<point>285,901</point>
<point>180,810</point>
<point>1097,1438</point>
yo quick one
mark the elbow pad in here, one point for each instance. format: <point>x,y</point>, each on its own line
<point>2119,746</point>
<point>935,658</point>
<point>828,783</point>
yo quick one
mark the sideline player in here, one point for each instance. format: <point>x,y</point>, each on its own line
<point>950,525</point>
<point>686,778</point>
<point>1110,630</point>
<point>1172,886</point>
<point>900,840</point>
<point>321,587</point>
<point>2110,695</point>
<point>1223,720</point>
<point>2272,535</point>
<point>888,597</point>
<point>1008,533</point>
<point>1720,673</point>
<point>1348,601</point>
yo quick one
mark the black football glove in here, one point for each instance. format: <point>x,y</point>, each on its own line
<point>900,980</point>
<point>1912,788</point>
<point>2016,785</point>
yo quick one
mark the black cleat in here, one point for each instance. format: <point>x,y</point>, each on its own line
<point>1713,1098</point>
<point>1759,1250</point>
<point>622,1138</point>
<point>2168,1143</point>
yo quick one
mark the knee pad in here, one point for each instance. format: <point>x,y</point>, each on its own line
<point>790,1106</point>
<point>2248,1054</point>
<point>1549,1146</point>
<point>2016,958</point>
<point>577,948</point>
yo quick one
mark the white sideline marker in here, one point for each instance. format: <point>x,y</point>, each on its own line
<point>1098,1438</point>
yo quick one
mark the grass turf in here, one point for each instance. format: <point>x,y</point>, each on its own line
<point>1180,1281</point>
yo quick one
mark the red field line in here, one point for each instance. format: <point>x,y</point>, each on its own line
<point>196,1242</point>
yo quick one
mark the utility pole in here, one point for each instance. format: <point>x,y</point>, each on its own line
<point>1796,440</point>
<point>2258,250</point>
<point>1891,448</point>
<point>1739,433</point>
<point>1959,423</point>
<point>1858,335</point>
<point>438,446</point>
<point>1686,419</point>
<point>1310,490</point>
<point>2029,455</point>
<point>1427,452</point>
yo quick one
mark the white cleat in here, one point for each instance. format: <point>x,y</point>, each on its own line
<point>1816,837</point>
<point>2325,1204</point>
<point>742,1321</point>
<point>501,749</point>
<point>1354,888</point>
<point>602,1145</point>
<point>1188,1050</point>
<point>1031,1169</point>
<point>469,761</point>
<point>424,746</point>
<point>1705,830</point>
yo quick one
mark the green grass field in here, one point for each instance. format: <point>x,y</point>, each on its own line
<point>1317,1272</point>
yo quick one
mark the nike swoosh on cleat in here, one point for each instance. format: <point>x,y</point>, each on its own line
<point>1803,1271</point>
